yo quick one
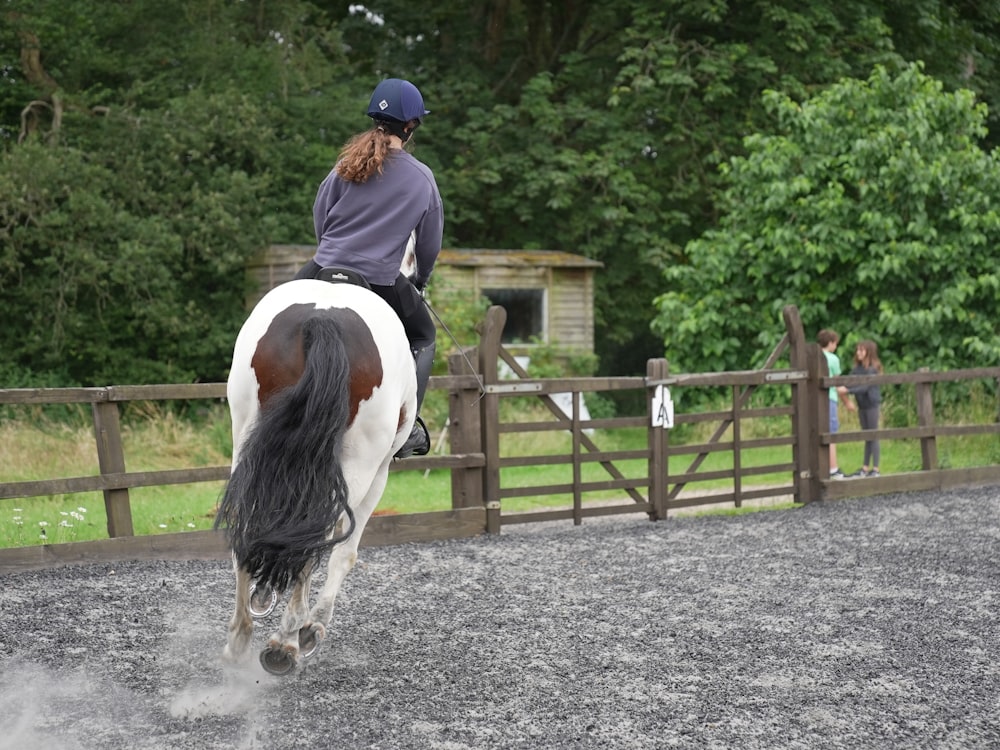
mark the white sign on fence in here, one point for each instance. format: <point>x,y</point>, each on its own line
<point>663,408</point>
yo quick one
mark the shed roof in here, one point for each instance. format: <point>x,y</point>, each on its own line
<point>515,258</point>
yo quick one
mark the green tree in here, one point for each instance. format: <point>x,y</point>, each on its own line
<point>126,223</point>
<point>873,209</point>
<point>611,149</point>
<point>204,127</point>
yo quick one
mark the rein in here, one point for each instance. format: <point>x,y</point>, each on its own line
<point>461,349</point>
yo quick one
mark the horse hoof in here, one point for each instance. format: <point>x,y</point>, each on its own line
<point>309,639</point>
<point>263,602</point>
<point>230,658</point>
<point>277,661</point>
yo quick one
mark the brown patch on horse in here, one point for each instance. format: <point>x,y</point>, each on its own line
<point>279,359</point>
<point>366,363</point>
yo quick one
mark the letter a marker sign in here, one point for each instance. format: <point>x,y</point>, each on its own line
<point>663,408</point>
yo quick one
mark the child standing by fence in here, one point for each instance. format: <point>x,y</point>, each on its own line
<point>869,398</point>
<point>828,341</point>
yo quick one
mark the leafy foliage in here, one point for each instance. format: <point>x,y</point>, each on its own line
<point>872,209</point>
<point>149,148</point>
<point>126,233</point>
<point>612,152</point>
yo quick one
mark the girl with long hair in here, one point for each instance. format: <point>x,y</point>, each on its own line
<point>377,200</point>
<point>869,399</point>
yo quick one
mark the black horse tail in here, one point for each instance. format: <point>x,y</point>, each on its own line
<point>287,491</point>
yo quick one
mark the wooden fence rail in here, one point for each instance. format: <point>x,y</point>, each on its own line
<point>672,475</point>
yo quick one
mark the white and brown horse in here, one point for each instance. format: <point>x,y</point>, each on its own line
<point>322,393</point>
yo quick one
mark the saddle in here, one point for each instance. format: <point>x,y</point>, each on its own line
<point>340,275</point>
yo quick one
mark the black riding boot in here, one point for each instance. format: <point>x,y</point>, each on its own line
<point>419,441</point>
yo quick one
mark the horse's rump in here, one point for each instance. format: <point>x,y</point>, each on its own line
<point>307,361</point>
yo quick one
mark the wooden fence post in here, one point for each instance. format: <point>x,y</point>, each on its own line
<point>464,435</point>
<point>489,419</point>
<point>925,418</point>
<point>657,369</point>
<point>805,426</point>
<point>111,459</point>
<point>819,399</point>
<point>737,453</point>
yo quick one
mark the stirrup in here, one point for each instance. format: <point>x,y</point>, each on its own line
<point>418,443</point>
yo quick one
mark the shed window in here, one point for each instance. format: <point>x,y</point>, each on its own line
<point>525,313</point>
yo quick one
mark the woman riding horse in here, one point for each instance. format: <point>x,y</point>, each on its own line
<point>376,200</point>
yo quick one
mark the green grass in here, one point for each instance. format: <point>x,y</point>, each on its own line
<point>79,517</point>
<point>41,449</point>
<point>44,449</point>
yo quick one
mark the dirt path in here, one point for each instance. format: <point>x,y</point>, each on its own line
<point>860,623</point>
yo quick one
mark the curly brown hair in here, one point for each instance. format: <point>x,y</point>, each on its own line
<point>364,155</point>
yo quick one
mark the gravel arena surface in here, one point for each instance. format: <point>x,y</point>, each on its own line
<point>844,624</point>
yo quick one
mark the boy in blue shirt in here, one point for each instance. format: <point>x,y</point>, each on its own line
<point>828,341</point>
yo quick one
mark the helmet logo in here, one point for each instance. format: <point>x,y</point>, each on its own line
<point>383,105</point>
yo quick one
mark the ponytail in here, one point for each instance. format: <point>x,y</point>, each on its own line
<point>364,155</point>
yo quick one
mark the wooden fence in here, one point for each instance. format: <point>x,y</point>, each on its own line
<point>672,473</point>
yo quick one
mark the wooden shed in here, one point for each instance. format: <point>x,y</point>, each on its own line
<point>548,294</point>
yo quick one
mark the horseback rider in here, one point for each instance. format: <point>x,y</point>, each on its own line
<point>376,199</point>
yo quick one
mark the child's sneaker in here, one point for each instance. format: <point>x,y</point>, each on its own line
<point>873,473</point>
<point>837,474</point>
<point>858,474</point>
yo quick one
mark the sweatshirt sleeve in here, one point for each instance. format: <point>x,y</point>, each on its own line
<point>867,395</point>
<point>429,233</point>
<point>325,198</point>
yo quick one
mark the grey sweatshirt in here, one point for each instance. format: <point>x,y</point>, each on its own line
<point>365,226</point>
<point>868,396</point>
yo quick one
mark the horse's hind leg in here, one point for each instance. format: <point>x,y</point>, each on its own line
<point>281,655</point>
<point>241,624</point>
<point>342,560</point>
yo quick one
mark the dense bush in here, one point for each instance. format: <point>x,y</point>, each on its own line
<point>872,208</point>
<point>148,148</point>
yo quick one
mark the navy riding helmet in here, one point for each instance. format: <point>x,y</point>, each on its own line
<point>396,101</point>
